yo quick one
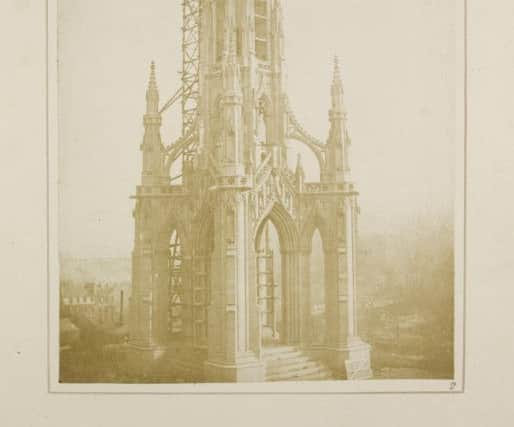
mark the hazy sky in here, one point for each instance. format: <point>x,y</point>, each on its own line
<point>398,69</point>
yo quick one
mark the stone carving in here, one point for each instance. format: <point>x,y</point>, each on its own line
<point>235,178</point>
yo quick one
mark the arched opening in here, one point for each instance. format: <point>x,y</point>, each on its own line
<point>283,240</point>
<point>317,297</point>
<point>188,287</point>
<point>269,283</point>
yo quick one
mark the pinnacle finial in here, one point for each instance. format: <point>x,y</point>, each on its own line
<point>337,88</point>
<point>152,81</point>
<point>337,71</point>
<point>152,94</point>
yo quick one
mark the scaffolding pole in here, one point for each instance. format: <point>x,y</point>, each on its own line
<point>191,15</point>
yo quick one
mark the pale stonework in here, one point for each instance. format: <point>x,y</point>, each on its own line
<point>236,120</point>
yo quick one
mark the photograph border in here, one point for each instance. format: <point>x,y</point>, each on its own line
<point>453,386</point>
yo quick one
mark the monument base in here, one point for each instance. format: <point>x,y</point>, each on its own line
<point>149,364</point>
<point>351,362</point>
<point>247,369</point>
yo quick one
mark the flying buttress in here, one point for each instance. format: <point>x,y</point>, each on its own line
<point>174,150</point>
<point>296,132</point>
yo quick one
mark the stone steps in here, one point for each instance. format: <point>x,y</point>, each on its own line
<point>323,375</point>
<point>305,374</point>
<point>284,363</point>
<point>281,357</point>
<point>279,349</point>
<point>290,364</point>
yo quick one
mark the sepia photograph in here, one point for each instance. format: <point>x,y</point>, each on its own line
<point>256,212</point>
<point>258,192</point>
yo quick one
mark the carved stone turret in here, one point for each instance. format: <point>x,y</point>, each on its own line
<point>152,147</point>
<point>337,139</point>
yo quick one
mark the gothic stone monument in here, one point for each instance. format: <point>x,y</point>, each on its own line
<point>203,299</point>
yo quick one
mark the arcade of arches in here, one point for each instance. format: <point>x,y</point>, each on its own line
<point>241,258</point>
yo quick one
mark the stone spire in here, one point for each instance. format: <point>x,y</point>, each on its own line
<point>337,89</point>
<point>337,71</point>
<point>152,148</point>
<point>152,94</point>
<point>336,144</point>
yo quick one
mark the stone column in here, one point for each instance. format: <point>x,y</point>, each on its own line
<point>347,354</point>
<point>335,296</point>
<point>161,295</point>
<point>291,301</point>
<point>148,303</point>
<point>350,268</point>
<point>305,277</point>
<point>141,335</point>
<point>149,274</point>
<point>232,318</point>
<point>254,310</point>
<point>160,275</point>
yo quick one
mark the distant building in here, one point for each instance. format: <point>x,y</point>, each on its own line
<point>98,303</point>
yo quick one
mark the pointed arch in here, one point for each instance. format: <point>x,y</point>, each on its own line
<point>313,222</point>
<point>284,224</point>
<point>290,292</point>
<point>174,221</point>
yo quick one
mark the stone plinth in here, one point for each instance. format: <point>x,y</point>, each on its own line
<point>351,362</point>
<point>148,364</point>
<point>244,370</point>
